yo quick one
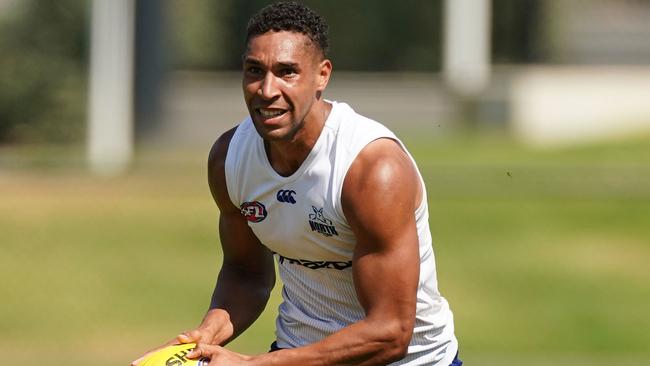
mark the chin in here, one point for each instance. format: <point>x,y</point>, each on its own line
<point>278,134</point>
<point>272,136</point>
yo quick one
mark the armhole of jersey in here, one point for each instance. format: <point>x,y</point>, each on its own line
<point>230,168</point>
<point>346,168</point>
<point>423,201</point>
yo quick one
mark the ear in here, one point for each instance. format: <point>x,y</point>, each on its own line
<point>324,72</point>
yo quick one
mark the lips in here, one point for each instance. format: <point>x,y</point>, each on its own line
<point>269,113</point>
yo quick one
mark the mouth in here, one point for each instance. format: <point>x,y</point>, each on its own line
<point>270,113</point>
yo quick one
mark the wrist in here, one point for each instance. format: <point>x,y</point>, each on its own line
<point>265,359</point>
<point>216,315</point>
<point>215,320</point>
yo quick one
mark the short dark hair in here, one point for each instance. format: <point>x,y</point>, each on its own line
<point>290,16</point>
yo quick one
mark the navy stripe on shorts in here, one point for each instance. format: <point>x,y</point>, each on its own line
<point>455,362</point>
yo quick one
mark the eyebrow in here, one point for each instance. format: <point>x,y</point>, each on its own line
<point>288,64</point>
<point>254,61</point>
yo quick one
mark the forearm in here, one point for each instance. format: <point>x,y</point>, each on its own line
<point>363,343</point>
<point>242,295</point>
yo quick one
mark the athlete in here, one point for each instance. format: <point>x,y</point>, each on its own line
<point>336,201</point>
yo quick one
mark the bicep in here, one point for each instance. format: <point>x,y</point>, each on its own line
<point>379,199</point>
<point>241,248</point>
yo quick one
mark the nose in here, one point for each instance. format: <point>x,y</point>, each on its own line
<point>269,87</point>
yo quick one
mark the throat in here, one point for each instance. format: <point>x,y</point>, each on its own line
<point>285,161</point>
<point>287,156</point>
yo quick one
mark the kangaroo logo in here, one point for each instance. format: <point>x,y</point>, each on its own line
<point>285,195</point>
<point>319,223</point>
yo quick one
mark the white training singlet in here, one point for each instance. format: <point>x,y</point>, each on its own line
<point>300,219</point>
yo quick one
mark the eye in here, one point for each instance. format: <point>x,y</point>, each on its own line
<point>254,70</point>
<point>288,72</point>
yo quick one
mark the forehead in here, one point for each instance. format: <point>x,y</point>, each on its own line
<point>282,45</point>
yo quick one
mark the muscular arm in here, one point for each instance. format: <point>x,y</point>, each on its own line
<point>380,195</point>
<point>247,275</point>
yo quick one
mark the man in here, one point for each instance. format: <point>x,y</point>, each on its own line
<point>337,201</point>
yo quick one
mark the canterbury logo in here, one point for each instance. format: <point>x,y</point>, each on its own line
<point>286,195</point>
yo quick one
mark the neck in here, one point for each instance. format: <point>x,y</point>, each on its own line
<point>286,156</point>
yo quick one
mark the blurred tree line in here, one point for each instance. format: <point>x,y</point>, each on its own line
<point>42,71</point>
<point>44,43</point>
<point>365,35</point>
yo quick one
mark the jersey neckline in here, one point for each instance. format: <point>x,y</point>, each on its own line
<point>311,157</point>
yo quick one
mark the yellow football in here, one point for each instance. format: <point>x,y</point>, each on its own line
<point>174,356</point>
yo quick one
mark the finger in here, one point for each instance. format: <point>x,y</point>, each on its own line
<point>202,350</point>
<point>196,352</point>
<point>189,336</point>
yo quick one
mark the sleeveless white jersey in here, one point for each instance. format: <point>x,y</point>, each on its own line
<point>301,220</point>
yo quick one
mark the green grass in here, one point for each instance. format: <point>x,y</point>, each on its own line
<point>542,253</point>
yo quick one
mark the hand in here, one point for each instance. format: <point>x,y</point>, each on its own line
<point>215,329</point>
<point>219,355</point>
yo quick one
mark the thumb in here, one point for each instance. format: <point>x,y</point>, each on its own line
<point>194,353</point>
<point>192,336</point>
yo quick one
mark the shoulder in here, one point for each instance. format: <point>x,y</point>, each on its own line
<point>237,136</point>
<point>381,176</point>
<point>216,168</point>
<point>356,134</point>
<point>218,153</point>
<point>381,161</point>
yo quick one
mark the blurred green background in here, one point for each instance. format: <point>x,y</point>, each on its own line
<point>542,252</point>
<point>543,255</point>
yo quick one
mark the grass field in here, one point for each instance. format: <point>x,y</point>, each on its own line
<point>543,255</point>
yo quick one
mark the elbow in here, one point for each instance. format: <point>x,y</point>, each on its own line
<point>399,348</point>
<point>266,288</point>
<point>398,337</point>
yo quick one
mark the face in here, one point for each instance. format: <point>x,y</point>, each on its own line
<point>284,76</point>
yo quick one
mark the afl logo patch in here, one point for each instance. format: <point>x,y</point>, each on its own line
<point>253,211</point>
